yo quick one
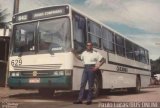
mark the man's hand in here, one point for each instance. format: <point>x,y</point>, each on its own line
<point>94,69</point>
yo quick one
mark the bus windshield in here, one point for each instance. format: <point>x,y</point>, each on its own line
<point>24,38</point>
<point>54,35</point>
<point>51,36</point>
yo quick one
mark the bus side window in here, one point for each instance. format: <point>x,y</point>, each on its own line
<point>137,52</point>
<point>94,33</point>
<point>108,40</point>
<point>142,55</point>
<point>146,57</point>
<point>120,49</point>
<point>129,49</point>
<point>79,32</point>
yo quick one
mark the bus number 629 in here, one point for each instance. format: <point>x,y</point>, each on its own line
<point>16,62</point>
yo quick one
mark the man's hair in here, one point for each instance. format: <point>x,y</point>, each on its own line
<point>89,42</point>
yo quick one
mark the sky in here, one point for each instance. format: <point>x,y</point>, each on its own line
<point>138,20</point>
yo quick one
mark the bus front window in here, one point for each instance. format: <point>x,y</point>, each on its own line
<point>54,35</point>
<point>24,38</point>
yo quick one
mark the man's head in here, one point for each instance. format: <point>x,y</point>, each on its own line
<point>89,46</point>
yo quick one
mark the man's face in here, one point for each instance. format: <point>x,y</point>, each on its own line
<point>89,46</point>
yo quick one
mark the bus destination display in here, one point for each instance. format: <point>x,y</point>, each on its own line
<point>41,14</point>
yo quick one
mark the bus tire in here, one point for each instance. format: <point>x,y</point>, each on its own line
<point>97,86</point>
<point>138,85</point>
<point>136,89</point>
<point>46,92</point>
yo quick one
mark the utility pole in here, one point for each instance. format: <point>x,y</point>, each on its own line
<point>16,7</point>
<point>15,10</point>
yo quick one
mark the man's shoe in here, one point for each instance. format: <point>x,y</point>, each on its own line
<point>77,102</point>
<point>88,102</point>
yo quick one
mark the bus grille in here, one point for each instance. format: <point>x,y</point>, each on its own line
<point>38,67</point>
<point>39,74</point>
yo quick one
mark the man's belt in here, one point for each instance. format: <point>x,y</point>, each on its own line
<point>89,65</point>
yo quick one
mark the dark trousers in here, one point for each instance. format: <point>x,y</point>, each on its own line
<point>88,75</point>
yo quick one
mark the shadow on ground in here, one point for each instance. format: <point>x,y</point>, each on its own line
<point>59,96</point>
<point>71,96</point>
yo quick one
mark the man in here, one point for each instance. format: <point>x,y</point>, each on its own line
<point>92,62</point>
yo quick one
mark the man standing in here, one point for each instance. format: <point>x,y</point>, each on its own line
<point>92,62</point>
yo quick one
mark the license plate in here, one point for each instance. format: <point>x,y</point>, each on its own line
<point>34,80</point>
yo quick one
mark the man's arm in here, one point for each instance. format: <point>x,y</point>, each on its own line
<point>100,63</point>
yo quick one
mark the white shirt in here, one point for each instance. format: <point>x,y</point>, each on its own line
<point>91,57</point>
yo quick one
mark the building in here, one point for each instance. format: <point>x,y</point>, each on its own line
<point>4,52</point>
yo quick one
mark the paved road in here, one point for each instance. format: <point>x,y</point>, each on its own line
<point>31,99</point>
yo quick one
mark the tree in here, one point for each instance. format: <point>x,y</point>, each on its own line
<point>2,14</point>
<point>155,66</point>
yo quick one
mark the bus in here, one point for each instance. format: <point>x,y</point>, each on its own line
<point>41,56</point>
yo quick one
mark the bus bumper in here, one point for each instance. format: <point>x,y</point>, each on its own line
<point>61,82</point>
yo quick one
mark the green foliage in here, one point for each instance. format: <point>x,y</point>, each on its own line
<point>3,14</point>
<point>155,66</point>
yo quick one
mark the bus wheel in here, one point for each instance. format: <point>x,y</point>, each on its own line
<point>138,85</point>
<point>46,92</point>
<point>137,88</point>
<point>96,87</point>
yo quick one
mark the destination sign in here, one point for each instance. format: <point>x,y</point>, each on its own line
<point>41,13</point>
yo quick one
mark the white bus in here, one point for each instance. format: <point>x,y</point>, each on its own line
<point>41,56</point>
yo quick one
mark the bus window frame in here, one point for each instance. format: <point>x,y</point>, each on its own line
<point>104,30</point>
<point>90,34</point>
<point>131,43</point>
<point>85,37</point>
<point>45,51</point>
<point>13,40</point>
<point>120,45</point>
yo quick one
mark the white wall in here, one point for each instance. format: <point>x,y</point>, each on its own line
<point>2,32</point>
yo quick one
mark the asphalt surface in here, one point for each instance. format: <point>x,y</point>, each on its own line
<point>148,97</point>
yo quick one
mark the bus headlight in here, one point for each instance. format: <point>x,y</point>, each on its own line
<point>61,73</point>
<point>15,74</point>
<point>58,73</point>
<point>55,73</point>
